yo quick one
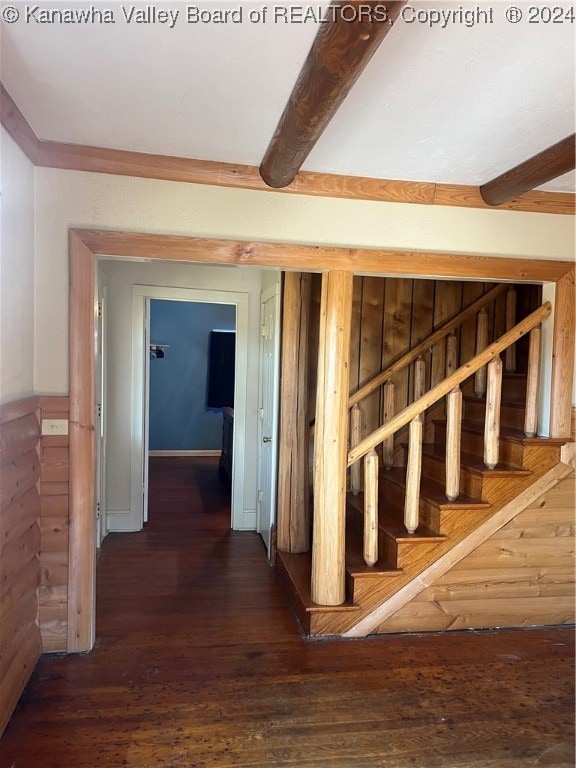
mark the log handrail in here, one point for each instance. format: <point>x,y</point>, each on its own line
<point>444,387</point>
<point>444,330</point>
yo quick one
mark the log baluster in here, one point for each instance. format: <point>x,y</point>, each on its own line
<point>453,441</point>
<point>481,342</point>
<point>388,413</point>
<point>510,357</point>
<point>355,432</point>
<point>419,377</point>
<point>534,352</point>
<point>492,423</point>
<point>451,353</point>
<point>370,507</point>
<point>413,471</point>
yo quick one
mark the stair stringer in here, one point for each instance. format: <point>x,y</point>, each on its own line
<point>369,623</point>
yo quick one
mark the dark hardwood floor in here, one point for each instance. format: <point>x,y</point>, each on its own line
<point>199,663</point>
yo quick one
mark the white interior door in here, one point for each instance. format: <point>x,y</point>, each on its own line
<point>268,422</point>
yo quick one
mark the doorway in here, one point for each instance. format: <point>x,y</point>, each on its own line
<point>142,296</point>
<point>189,380</point>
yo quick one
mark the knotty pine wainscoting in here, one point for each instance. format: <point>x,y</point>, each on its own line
<point>33,542</point>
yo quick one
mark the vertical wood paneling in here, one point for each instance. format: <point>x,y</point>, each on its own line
<point>20,642</point>
<point>421,324</point>
<point>371,346</point>
<point>447,302</point>
<point>396,336</point>
<point>54,526</point>
<point>470,292</point>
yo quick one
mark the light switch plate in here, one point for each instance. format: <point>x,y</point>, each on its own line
<point>54,427</point>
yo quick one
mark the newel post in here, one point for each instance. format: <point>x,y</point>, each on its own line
<point>331,440</point>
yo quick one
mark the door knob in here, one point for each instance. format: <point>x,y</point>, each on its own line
<point>266,439</point>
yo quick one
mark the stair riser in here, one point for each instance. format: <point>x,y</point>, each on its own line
<point>514,387</point>
<point>487,487</point>
<point>511,415</point>
<point>511,452</point>
<point>393,495</point>
<point>402,553</point>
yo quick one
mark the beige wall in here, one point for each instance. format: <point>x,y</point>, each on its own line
<point>72,199</point>
<point>16,273</point>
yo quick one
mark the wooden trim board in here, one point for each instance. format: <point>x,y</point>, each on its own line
<point>77,157</point>
<point>459,552</point>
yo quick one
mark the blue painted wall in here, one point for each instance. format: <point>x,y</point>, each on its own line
<point>179,418</point>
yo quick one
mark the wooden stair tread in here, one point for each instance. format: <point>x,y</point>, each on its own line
<point>355,564</point>
<point>431,491</point>
<point>391,521</point>
<point>474,464</point>
<point>298,569</point>
<point>507,433</point>
<point>512,402</point>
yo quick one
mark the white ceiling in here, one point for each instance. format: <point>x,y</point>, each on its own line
<point>454,105</point>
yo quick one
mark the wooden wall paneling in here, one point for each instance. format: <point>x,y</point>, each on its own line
<point>470,291</point>
<point>356,332</point>
<point>523,575</point>
<point>314,325</point>
<point>20,643</point>
<point>397,323</point>
<point>371,345</point>
<point>354,374</point>
<point>421,324</point>
<point>447,302</point>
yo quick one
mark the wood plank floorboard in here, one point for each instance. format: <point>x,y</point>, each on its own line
<point>199,663</point>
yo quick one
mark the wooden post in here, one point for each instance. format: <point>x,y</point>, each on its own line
<point>453,439</point>
<point>331,440</point>
<point>451,353</point>
<point>371,508</point>
<point>481,342</point>
<point>563,357</point>
<point>82,530</point>
<point>355,431</point>
<point>413,469</point>
<point>510,323</point>
<point>492,423</point>
<point>533,378</point>
<point>388,413</point>
<point>293,531</point>
<point>419,377</point>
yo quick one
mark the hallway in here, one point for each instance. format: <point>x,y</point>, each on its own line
<point>199,663</point>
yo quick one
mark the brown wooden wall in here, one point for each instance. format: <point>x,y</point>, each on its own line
<point>20,642</point>
<point>390,315</point>
<point>33,542</point>
<point>53,594</point>
<point>522,576</point>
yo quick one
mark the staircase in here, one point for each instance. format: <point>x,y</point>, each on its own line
<point>442,524</point>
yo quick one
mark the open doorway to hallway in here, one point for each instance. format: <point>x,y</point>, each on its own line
<point>190,380</point>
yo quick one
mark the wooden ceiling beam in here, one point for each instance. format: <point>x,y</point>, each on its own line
<point>345,43</point>
<point>545,166</point>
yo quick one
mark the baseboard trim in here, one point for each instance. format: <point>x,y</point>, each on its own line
<point>185,453</point>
